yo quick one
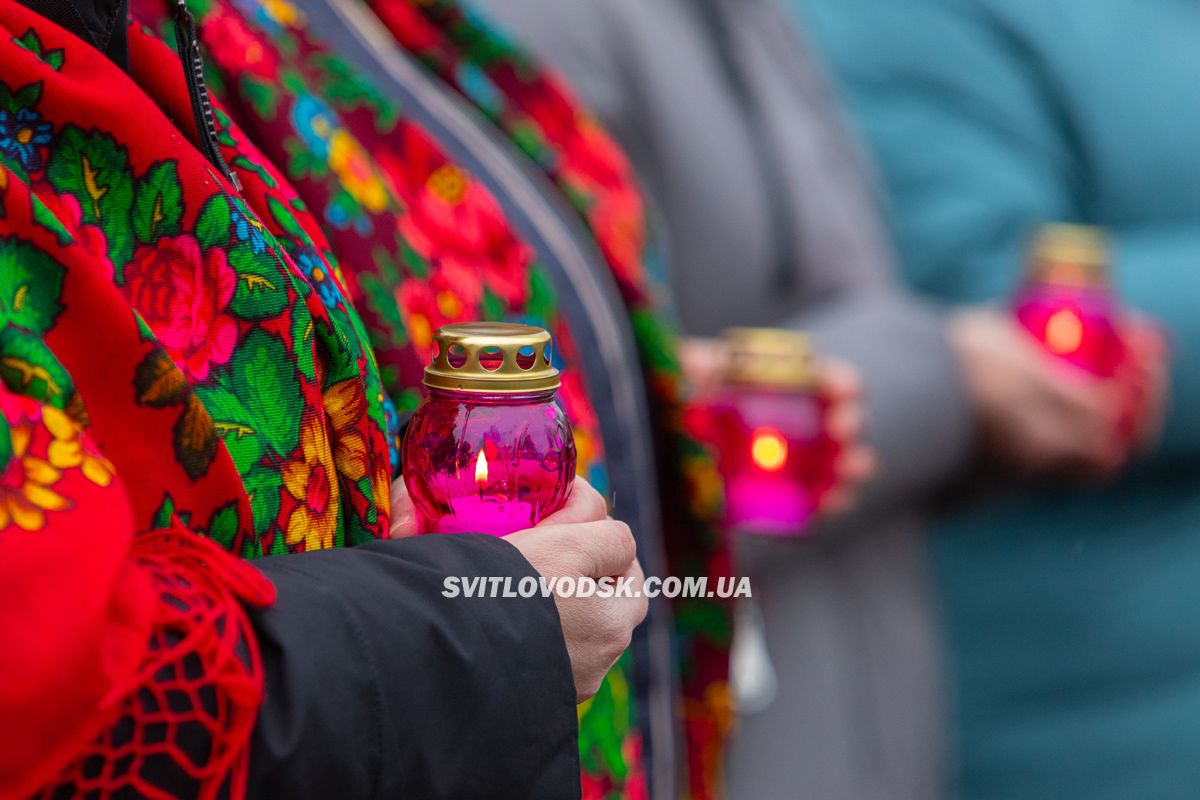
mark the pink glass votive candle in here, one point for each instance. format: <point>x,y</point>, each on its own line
<point>776,456</point>
<point>489,451</point>
<point>1067,301</point>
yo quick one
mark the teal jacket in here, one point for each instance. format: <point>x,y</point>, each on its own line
<point>1072,616</point>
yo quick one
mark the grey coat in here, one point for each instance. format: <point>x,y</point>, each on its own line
<point>772,221</point>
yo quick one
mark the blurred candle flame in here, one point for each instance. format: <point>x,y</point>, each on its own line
<point>769,449</point>
<point>1064,332</point>
<point>481,469</point>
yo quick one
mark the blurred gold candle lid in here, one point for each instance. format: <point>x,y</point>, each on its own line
<point>1071,255</point>
<point>500,357</point>
<point>774,358</point>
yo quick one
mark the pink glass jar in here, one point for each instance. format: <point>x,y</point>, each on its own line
<point>776,456</point>
<point>489,451</point>
<point>1067,301</point>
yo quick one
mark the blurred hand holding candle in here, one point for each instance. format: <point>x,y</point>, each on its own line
<point>489,451</point>
<point>1068,302</point>
<point>769,423</point>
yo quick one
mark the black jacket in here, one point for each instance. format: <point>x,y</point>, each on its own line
<point>378,686</point>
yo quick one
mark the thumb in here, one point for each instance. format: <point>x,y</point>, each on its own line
<point>608,548</point>
<point>404,521</point>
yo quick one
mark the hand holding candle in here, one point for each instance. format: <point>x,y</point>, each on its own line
<point>1040,414</point>
<point>786,425</point>
<point>1068,303</point>
<point>581,540</point>
<point>1069,306</point>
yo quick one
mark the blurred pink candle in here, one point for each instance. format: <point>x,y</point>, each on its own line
<point>1067,301</point>
<point>776,457</point>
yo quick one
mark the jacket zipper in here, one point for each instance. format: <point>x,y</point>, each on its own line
<point>202,111</point>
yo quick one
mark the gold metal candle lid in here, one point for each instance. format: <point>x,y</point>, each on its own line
<point>1071,255</point>
<point>491,357</point>
<point>770,357</point>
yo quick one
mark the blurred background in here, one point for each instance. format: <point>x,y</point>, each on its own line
<point>985,216</point>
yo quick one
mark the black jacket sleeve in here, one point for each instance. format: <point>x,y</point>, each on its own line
<point>379,686</point>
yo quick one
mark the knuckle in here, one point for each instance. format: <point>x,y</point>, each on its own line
<point>623,540</point>
<point>595,503</point>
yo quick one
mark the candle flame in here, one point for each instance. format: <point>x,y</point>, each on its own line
<point>481,469</point>
<point>768,449</point>
<point>1064,332</point>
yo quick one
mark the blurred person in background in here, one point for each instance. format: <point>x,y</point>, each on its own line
<point>772,221</point>
<point>1069,609</point>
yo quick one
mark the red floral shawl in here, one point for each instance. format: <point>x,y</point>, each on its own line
<point>167,369</point>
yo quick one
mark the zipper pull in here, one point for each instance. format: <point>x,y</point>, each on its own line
<point>193,70</point>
